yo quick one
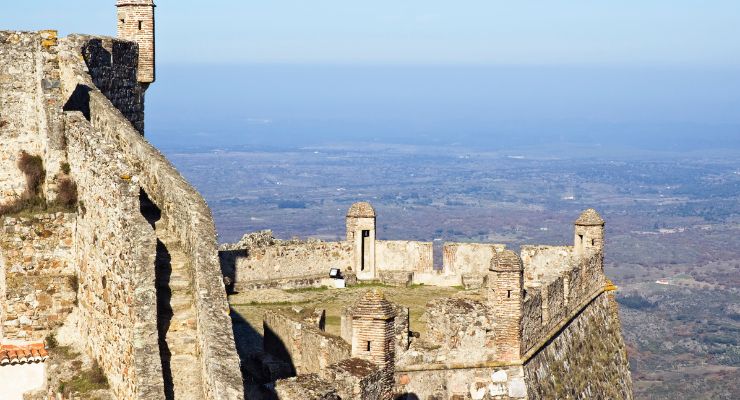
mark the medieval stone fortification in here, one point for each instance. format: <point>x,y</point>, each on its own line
<point>541,324</point>
<point>106,240</point>
<point>135,259</point>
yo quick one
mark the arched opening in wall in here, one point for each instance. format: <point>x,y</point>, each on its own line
<point>162,276</point>
<point>364,249</point>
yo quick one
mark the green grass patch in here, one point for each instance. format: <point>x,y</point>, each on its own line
<point>85,381</point>
<point>307,290</point>
<point>371,284</point>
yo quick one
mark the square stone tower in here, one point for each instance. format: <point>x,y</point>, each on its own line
<point>505,297</point>
<point>361,233</point>
<point>136,23</point>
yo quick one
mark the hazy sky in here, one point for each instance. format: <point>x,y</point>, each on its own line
<point>659,74</point>
<point>625,32</point>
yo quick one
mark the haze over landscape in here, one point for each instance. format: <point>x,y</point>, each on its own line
<point>662,75</point>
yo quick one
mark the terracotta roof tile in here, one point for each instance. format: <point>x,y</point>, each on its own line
<point>12,354</point>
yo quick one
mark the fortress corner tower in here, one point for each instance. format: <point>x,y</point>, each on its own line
<point>136,23</point>
<point>589,233</point>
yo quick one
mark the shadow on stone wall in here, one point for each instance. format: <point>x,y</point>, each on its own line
<point>227,259</point>
<point>162,274</point>
<point>406,396</point>
<point>79,100</point>
<point>260,368</point>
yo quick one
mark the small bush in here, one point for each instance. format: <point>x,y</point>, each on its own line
<point>51,341</point>
<point>33,168</point>
<point>66,192</point>
<point>65,168</point>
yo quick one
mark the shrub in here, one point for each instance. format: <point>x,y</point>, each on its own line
<point>66,192</point>
<point>33,168</point>
<point>65,168</point>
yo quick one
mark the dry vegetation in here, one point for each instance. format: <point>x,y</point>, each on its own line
<point>32,199</point>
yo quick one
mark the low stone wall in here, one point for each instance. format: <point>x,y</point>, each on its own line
<point>290,337</point>
<point>355,378</point>
<point>587,360</point>
<point>293,260</point>
<point>38,283</point>
<point>403,255</point>
<point>457,333</point>
<point>468,258</point>
<point>542,262</point>
<point>305,387</point>
<point>322,350</point>
<point>473,383</point>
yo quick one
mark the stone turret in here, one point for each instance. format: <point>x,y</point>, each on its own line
<point>361,232</point>
<point>505,296</point>
<point>373,334</point>
<point>589,233</point>
<point>136,23</point>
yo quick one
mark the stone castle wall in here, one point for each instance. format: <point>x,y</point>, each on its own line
<point>301,343</point>
<point>291,260</point>
<point>30,109</point>
<point>185,216</point>
<point>115,257</point>
<point>114,73</point>
<point>489,383</point>
<point>549,303</point>
<point>592,342</point>
<point>403,255</point>
<point>38,283</point>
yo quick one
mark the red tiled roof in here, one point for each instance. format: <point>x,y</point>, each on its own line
<point>11,354</point>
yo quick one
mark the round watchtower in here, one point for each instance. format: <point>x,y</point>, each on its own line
<point>589,233</point>
<point>373,336</point>
<point>505,296</point>
<point>136,23</point>
<point>361,233</point>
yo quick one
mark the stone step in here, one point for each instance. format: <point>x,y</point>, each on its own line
<point>180,302</point>
<point>179,281</point>
<point>181,336</point>
<point>186,377</point>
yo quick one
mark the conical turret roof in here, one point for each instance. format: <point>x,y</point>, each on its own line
<point>361,209</point>
<point>590,218</point>
<point>506,260</point>
<point>373,304</point>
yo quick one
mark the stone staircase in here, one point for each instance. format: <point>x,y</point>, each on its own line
<point>176,321</point>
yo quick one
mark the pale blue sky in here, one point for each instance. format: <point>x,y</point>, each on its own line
<point>658,74</point>
<point>693,33</point>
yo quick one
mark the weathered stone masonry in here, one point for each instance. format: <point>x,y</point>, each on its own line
<point>78,101</point>
<point>186,223</point>
<point>518,336</point>
<point>38,282</point>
